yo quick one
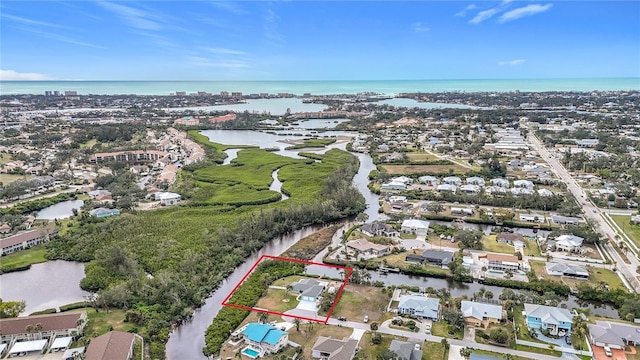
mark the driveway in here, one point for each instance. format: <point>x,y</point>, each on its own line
<point>301,313</point>
<point>307,305</point>
<point>454,352</point>
<point>470,333</point>
<point>559,342</point>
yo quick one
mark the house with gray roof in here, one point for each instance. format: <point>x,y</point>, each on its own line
<point>308,289</point>
<point>568,270</point>
<point>481,314</point>
<point>327,348</point>
<point>557,320</point>
<point>614,334</point>
<point>377,228</point>
<point>406,350</point>
<point>437,257</point>
<point>419,306</point>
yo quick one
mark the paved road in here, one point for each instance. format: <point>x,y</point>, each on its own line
<point>591,212</point>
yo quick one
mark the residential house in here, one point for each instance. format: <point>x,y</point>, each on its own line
<point>452,180</point>
<point>403,179</point>
<point>97,193</point>
<point>419,306</point>
<point>502,262</point>
<point>414,226</point>
<point>58,324</point>
<point>326,348</point>
<point>481,314</point>
<point>567,243</point>
<point>265,338</point>
<point>475,180</point>
<point>565,220</point>
<point>114,345</point>
<point>462,211</point>
<point>27,239</point>
<point>364,247</point>
<point>308,289</point>
<point>509,238</point>
<point>532,218</point>
<point>554,319</point>
<point>104,212</point>
<point>517,191</point>
<point>401,206</point>
<point>495,190</point>
<point>429,180</point>
<point>503,183</point>
<point>523,184</point>
<point>393,185</point>
<point>470,189</point>
<point>437,257</point>
<point>614,334</point>
<point>397,199</point>
<point>168,198</point>
<point>446,188</point>
<point>5,228</point>
<point>635,220</point>
<point>568,270</point>
<point>377,228</point>
<point>545,192</point>
<point>406,350</point>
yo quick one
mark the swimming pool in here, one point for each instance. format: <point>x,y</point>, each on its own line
<point>250,353</point>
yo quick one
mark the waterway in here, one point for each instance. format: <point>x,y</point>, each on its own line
<point>61,210</point>
<point>262,106</point>
<point>44,286</point>
<point>276,185</point>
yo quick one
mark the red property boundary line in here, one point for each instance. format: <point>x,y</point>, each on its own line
<point>347,270</point>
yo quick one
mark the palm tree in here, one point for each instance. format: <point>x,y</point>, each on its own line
<point>296,322</point>
<point>262,317</point>
<point>38,328</point>
<point>29,329</point>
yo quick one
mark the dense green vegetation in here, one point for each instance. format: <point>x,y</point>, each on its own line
<point>22,260</point>
<point>28,207</point>
<point>312,143</point>
<point>190,249</point>
<point>248,294</point>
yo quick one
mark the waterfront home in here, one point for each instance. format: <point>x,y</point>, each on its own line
<point>334,349</point>
<point>168,198</point>
<point>27,239</point>
<point>308,289</point>
<point>567,243</point>
<point>58,325</point>
<point>532,218</point>
<point>414,226</point>
<point>462,211</point>
<point>264,339</point>
<point>614,334</point>
<point>403,179</point>
<point>364,247</point>
<point>565,220</point>
<point>419,306</point>
<point>102,212</point>
<point>481,314</point>
<point>554,319</point>
<point>509,238</point>
<point>568,270</point>
<point>437,257</point>
<point>501,262</point>
<point>406,350</point>
<point>393,186</point>
<point>401,206</point>
<point>378,229</point>
<point>114,345</point>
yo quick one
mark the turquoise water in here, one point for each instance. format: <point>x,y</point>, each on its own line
<point>251,353</point>
<point>318,87</point>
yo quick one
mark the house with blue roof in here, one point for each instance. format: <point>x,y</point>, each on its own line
<point>554,319</point>
<point>264,338</point>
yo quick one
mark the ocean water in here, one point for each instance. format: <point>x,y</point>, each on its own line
<point>389,87</point>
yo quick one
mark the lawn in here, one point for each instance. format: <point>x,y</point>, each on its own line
<point>418,157</point>
<point>633,231</point>
<point>277,300</point>
<point>9,178</point>
<point>310,332</point>
<point>433,351</point>
<point>4,158</point>
<point>596,276</point>
<point>398,261</point>
<point>360,300</point>
<point>441,328</point>
<point>425,169</point>
<point>22,258</point>
<point>288,280</point>
<point>489,243</point>
<point>89,144</point>
<point>103,322</point>
<point>370,351</point>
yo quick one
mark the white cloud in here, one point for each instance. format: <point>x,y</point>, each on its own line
<point>61,38</point>
<point>134,17</point>
<point>524,11</point>
<point>26,21</point>
<point>419,27</point>
<point>484,15</point>
<point>229,6</point>
<point>511,62</point>
<point>463,12</point>
<point>224,51</point>
<point>271,28</point>
<point>10,75</point>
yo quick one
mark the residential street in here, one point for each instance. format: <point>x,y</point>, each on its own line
<point>590,212</point>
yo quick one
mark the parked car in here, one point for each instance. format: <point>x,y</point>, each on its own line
<point>366,318</point>
<point>342,318</point>
<point>427,329</point>
<point>567,339</point>
<point>607,351</point>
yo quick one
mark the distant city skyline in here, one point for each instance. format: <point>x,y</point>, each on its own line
<point>314,40</point>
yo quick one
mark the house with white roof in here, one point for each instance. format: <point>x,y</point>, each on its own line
<point>446,188</point>
<point>557,320</point>
<point>394,185</point>
<point>419,306</point>
<point>614,334</point>
<point>568,243</point>
<point>503,183</point>
<point>481,314</point>
<point>414,226</point>
<point>403,179</point>
<point>569,270</point>
<point>452,180</point>
<point>545,192</point>
<point>470,189</point>
<point>523,184</point>
<point>517,191</point>
<point>429,180</point>
<point>497,190</point>
<point>475,180</point>
<point>168,198</point>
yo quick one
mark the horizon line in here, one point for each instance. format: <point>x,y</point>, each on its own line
<point>333,80</point>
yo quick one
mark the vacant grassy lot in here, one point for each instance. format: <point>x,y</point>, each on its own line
<point>441,328</point>
<point>633,231</point>
<point>310,246</point>
<point>360,300</point>
<point>489,243</point>
<point>370,351</point>
<point>4,158</point>
<point>433,351</point>
<point>103,322</point>
<point>288,280</point>
<point>9,178</point>
<point>417,157</point>
<point>277,300</point>
<point>23,258</point>
<point>309,333</point>
<point>427,169</point>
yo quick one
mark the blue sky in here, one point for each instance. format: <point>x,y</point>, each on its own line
<point>318,40</point>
